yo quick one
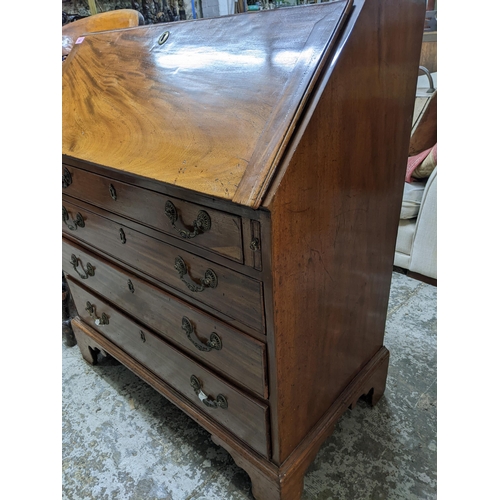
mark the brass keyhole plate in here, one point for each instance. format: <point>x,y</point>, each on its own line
<point>163,37</point>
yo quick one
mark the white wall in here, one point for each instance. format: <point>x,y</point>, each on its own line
<point>226,7</point>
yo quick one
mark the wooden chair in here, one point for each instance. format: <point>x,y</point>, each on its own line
<point>112,20</point>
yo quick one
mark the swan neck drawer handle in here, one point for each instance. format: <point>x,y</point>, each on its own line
<point>103,320</point>
<point>209,281</point>
<point>66,178</point>
<point>214,342</point>
<point>201,224</point>
<point>219,402</point>
<point>88,271</point>
<point>74,224</point>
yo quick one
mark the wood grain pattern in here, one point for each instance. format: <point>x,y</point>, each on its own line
<point>216,99</point>
<point>308,150</point>
<point>148,207</point>
<point>241,357</point>
<point>245,416</point>
<point>112,20</point>
<point>337,206</point>
<point>236,294</point>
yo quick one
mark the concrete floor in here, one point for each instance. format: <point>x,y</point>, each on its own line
<point>122,440</point>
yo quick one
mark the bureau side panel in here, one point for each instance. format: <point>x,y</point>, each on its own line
<point>334,215</point>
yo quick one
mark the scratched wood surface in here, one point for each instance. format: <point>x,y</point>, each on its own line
<point>207,110</point>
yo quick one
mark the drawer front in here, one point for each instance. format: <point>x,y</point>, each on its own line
<point>207,228</point>
<point>223,289</point>
<point>244,416</point>
<point>225,349</point>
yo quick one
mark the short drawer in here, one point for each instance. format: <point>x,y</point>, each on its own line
<point>243,415</point>
<point>214,230</point>
<point>210,341</point>
<point>223,289</point>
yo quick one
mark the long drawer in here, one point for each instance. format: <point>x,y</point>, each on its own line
<point>214,230</point>
<point>234,294</point>
<point>227,350</point>
<point>241,414</point>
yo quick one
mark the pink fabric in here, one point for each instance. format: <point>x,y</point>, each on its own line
<point>435,153</point>
<point>415,161</point>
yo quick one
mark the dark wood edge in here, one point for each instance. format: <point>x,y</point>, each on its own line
<point>266,231</point>
<point>163,388</point>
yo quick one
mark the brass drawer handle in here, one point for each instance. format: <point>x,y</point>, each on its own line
<point>201,224</point>
<point>214,342</point>
<point>72,224</point>
<point>66,178</point>
<point>209,281</point>
<point>219,402</point>
<point>88,271</point>
<point>103,320</point>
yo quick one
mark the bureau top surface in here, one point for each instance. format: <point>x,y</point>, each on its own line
<point>210,109</point>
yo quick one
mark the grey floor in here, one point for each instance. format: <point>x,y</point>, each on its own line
<point>122,440</point>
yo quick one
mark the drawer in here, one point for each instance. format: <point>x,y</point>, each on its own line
<point>229,351</point>
<point>243,415</point>
<point>234,294</point>
<point>205,227</point>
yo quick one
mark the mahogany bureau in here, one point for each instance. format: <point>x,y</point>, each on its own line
<point>231,192</point>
